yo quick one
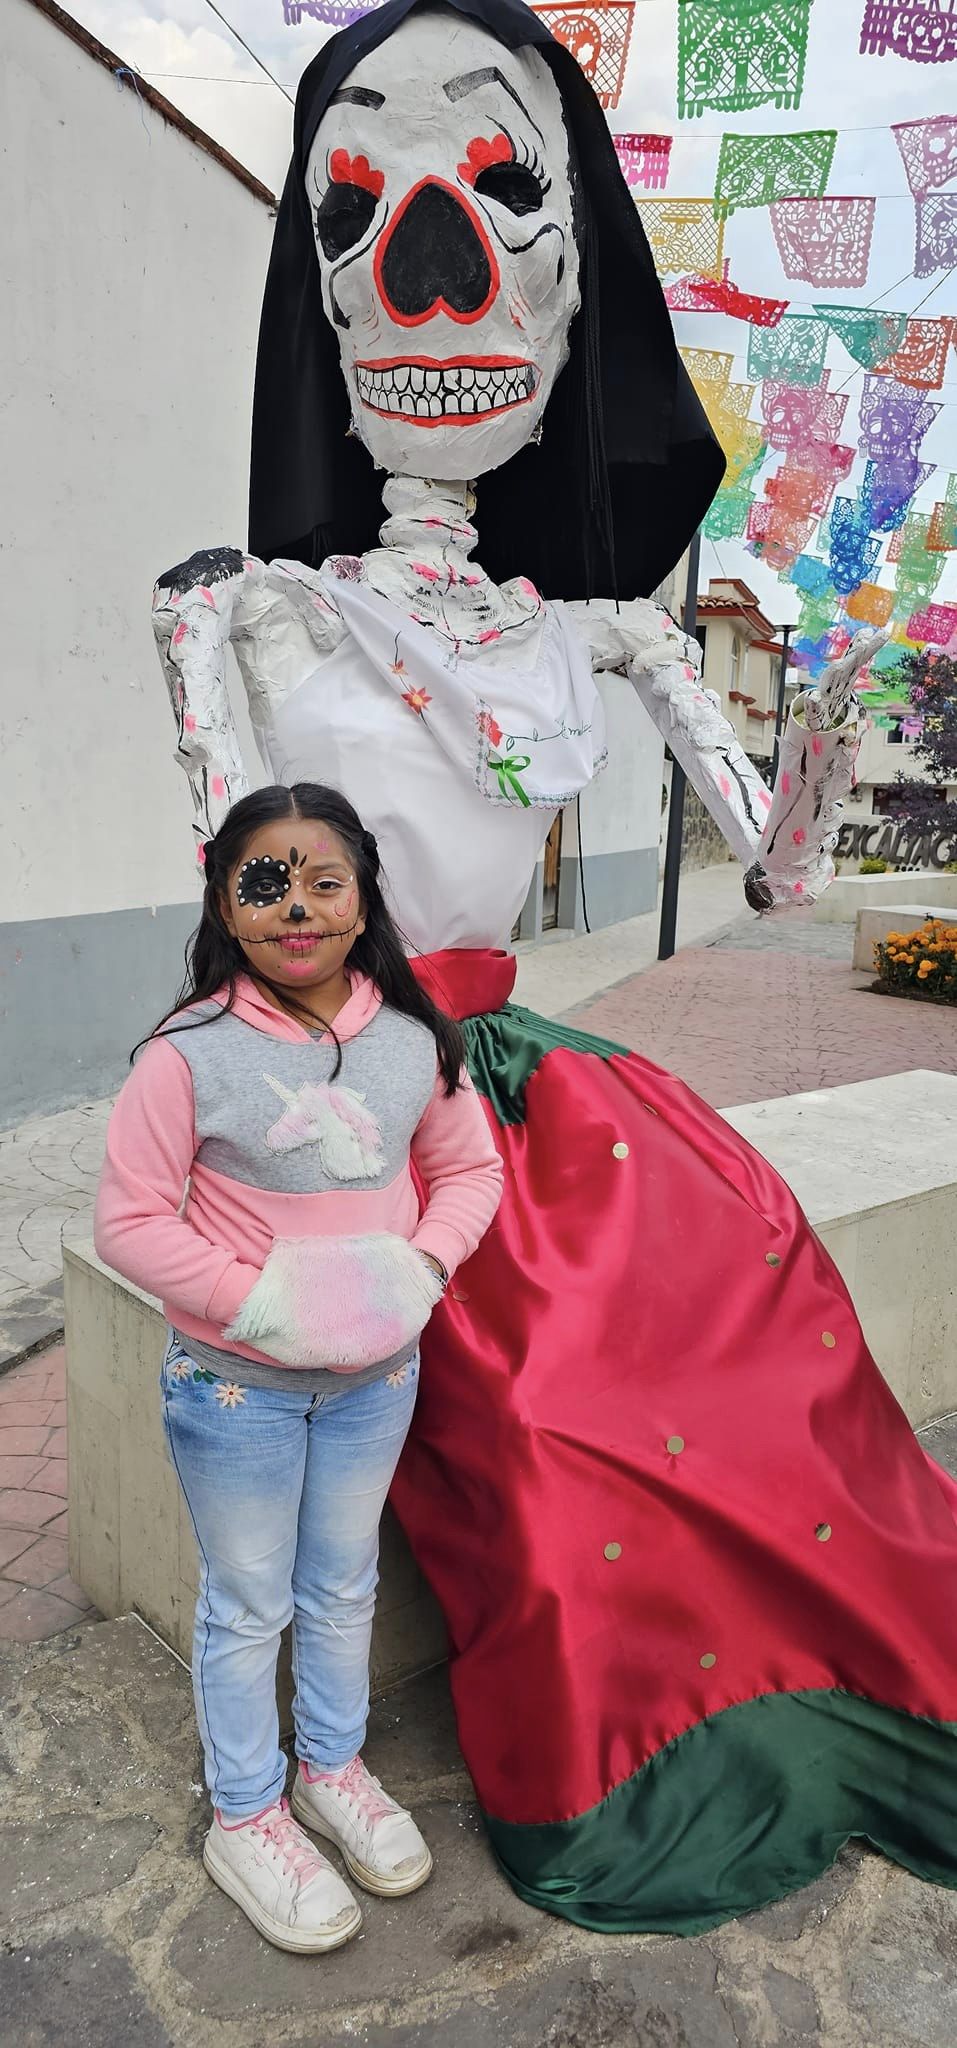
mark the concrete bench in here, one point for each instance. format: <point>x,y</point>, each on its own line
<point>872,926</point>
<point>850,893</point>
<point>874,1166</point>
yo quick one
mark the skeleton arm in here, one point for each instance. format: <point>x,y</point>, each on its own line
<point>281,622</point>
<point>783,841</point>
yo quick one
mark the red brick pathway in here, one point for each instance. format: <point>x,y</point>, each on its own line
<point>742,1026</point>
<point>38,1598</point>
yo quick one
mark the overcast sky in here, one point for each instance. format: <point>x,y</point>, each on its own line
<point>182,48</point>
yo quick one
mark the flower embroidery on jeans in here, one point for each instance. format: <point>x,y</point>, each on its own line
<point>179,1371</point>
<point>398,1377</point>
<point>229,1395</point>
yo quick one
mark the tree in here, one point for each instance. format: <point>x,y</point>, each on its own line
<point>931,681</point>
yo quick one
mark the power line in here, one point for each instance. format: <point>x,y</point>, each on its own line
<point>211,4</point>
<point>209,78</point>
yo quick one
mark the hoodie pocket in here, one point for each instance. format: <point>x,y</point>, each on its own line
<point>339,1302</point>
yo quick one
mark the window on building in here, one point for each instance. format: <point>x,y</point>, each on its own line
<point>735,663</point>
<point>888,800</point>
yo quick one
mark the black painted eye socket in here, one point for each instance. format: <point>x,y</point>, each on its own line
<point>342,218</point>
<point>262,882</point>
<point>512,185</point>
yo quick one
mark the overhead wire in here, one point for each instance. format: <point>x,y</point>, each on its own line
<point>250,52</point>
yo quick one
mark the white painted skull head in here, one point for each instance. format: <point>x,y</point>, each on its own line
<point>441,196</point>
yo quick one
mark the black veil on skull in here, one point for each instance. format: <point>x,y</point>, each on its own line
<point>627,464</point>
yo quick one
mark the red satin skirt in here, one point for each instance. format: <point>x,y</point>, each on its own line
<point>699,1578</point>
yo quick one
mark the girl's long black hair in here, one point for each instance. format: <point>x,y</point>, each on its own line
<point>215,960</point>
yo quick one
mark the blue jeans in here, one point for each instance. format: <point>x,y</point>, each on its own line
<point>285,1492</point>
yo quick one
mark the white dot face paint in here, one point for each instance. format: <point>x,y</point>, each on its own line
<point>263,881</point>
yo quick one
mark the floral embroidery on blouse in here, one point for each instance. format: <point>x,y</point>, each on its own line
<point>416,700</point>
<point>489,726</point>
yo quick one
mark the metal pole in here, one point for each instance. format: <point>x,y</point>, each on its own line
<point>782,701</point>
<point>676,808</point>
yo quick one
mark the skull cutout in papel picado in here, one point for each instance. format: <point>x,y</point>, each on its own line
<point>443,217</point>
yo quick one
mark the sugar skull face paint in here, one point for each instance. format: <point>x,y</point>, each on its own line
<point>295,909</point>
<point>262,881</point>
<point>441,198</point>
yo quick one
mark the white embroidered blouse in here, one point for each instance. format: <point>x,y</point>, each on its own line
<point>459,716</point>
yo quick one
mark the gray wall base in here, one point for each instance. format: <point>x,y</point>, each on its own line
<point>75,995</point>
<point>617,886</point>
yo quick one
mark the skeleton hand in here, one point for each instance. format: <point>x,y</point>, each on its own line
<point>278,618</point>
<point>830,701</point>
<point>794,864</point>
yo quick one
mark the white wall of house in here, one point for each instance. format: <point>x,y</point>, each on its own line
<point>131,272</point>
<point>620,820</point>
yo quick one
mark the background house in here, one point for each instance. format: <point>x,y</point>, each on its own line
<point>742,662</point>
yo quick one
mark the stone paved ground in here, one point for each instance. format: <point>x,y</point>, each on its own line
<point>114,1938</point>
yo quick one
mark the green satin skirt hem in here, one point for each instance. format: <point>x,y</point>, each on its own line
<point>746,1807</point>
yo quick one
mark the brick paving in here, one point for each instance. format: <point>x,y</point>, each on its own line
<point>38,1598</point>
<point>744,1020</point>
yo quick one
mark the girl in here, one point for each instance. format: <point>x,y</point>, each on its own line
<point>299,1080</point>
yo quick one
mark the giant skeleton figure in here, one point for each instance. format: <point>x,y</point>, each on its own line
<point>450,275</point>
<point>632,1436</point>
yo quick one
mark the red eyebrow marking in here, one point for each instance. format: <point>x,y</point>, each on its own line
<point>355,170</point>
<point>481,155</point>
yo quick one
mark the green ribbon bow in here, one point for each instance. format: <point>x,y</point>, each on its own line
<point>508,772</point>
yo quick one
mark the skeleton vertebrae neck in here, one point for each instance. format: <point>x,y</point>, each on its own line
<point>424,565</point>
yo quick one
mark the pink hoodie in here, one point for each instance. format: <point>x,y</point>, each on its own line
<point>199,1236</point>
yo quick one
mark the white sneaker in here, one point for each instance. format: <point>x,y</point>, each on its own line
<point>380,1843</point>
<point>288,1891</point>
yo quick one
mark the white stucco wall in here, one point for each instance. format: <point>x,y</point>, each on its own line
<point>621,810</point>
<point>131,271</point>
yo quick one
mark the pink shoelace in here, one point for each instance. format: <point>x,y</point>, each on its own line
<point>284,1834</point>
<point>362,1790</point>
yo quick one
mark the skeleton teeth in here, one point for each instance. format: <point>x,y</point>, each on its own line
<point>433,392</point>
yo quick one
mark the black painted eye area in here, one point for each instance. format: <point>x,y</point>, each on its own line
<point>262,882</point>
<point>342,218</point>
<point>513,185</point>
